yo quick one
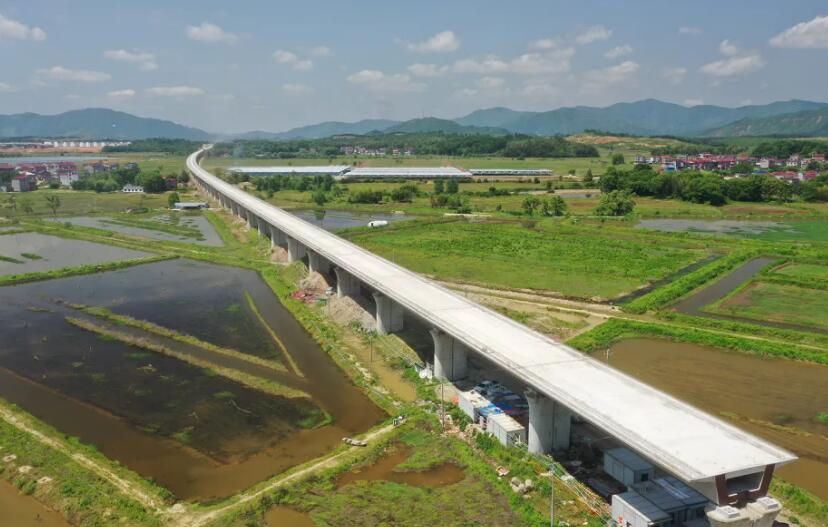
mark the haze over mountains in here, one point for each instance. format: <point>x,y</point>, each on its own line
<point>647,117</point>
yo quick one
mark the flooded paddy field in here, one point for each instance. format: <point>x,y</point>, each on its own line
<point>764,230</point>
<point>29,252</point>
<point>332,220</point>
<point>777,399</point>
<point>185,227</point>
<point>201,435</point>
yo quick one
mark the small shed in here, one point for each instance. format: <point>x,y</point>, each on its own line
<point>674,497</point>
<point>627,467</point>
<point>471,402</point>
<point>630,509</point>
<point>132,189</point>
<point>190,205</point>
<point>505,429</point>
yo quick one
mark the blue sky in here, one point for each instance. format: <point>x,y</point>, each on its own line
<point>247,65</point>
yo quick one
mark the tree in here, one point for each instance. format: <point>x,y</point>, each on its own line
<point>617,158</point>
<point>452,186</point>
<point>26,205</point>
<point>531,204</point>
<point>615,203</point>
<point>172,199</point>
<point>152,182</point>
<point>53,201</point>
<point>319,197</point>
<point>588,176</point>
<point>554,206</point>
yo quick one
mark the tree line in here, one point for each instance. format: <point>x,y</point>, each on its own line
<point>462,145</point>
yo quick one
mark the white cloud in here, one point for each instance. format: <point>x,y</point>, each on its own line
<point>175,91</point>
<point>288,57</point>
<point>593,34</point>
<point>144,60</point>
<point>212,33</point>
<point>5,87</point>
<point>464,93</point>
<point>13,29</point>
<point>121,94</point>
<point>544,43</point>
<point>71,96</point>
<point>297,89</point>
<point>550,62</point>
<point>728,48</point>
<point>426,70</point>
<point>491,83</point>
<point>619,51</point>
<point>376,80</point>
<point>746,102</point>
<point>811,34</point>
<point>594,80</point>
<point>734,66</point>
<point>442,42</point>
<point>540,90</point>
<point>693,102</point>
<point>59,73</point>
<point>688,30</point>
<point>675,76</point>
<point>320,51</point>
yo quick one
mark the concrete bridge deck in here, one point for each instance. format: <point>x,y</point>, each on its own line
<point>693,445</point>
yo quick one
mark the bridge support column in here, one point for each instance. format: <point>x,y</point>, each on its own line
<point>389,314</point>
<point>251,219</point>
<point>450,356</point>
<point>296,251</point>
<point>346,283</point>
<point>263,226</point>
<point>317,264</point>
<point>277,237</point>
<point>549,424</point>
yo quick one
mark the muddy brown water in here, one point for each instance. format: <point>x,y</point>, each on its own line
<point>19,510</point>
<point>103,391</point>
<point>768,391</point>
<point>280,516</point>
<point>385,469</point>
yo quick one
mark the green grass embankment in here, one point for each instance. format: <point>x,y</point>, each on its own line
<point>79,270</point>
<point>102,312</point>
<point>251,381</point>
<point>615,329</point>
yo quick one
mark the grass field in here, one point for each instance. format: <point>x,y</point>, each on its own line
<point>779,303</point>
<point>77,203</point>
<point>578,260</point>
<point>804,270</point>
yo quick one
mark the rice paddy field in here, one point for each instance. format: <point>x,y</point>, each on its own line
<point>784,303</point>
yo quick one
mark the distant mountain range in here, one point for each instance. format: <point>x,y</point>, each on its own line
<point>94,123</point>
<point>647,117</point>
<point>806,123</point>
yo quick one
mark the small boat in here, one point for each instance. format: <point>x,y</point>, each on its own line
<point>354,442</point>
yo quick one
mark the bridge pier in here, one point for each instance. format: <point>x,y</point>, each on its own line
<point>549,424</point>
<point>251,218</point>
<point>277,237</point>
<point>318,264</point>
<point>296,251</point>
<point>389,314</point>
<point>346,283</point>
<point>450,356</point>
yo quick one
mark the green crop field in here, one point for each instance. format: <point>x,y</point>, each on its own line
<point>578,260</point>
<point>82,202</point>
<point>779,303</point>
<point>806,271</point>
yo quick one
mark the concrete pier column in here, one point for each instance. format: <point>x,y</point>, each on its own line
<point>549,424</point>
<point>296,251</point>
<point>450,356</point>
<point>317,264</point>
<point>277,237</point>
<point>264,228</point>
<point>346,283</point>
<point>251,219</point>
<point>389,314</point>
